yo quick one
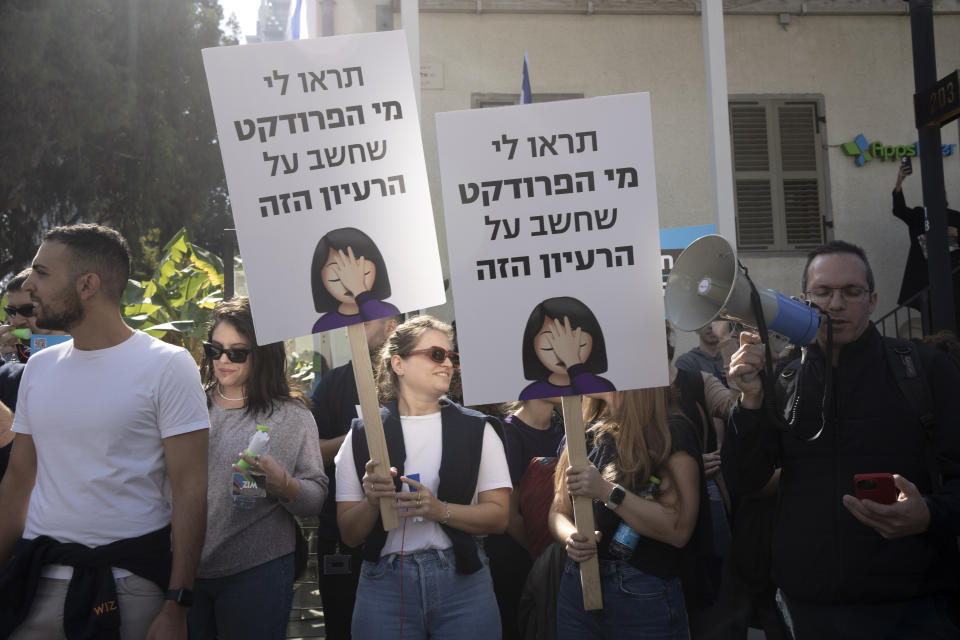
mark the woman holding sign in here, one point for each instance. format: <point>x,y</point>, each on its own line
<point>645,480</point>
<point>244,585</point>
<point>429,576</point>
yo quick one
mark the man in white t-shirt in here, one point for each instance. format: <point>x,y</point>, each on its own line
<point>111,438</point>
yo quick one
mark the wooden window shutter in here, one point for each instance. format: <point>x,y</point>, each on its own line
<point>778,174</point>
<point>751,167</point>
<point>802,191</point>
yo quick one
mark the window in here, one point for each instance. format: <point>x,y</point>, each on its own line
<point>778,173</point>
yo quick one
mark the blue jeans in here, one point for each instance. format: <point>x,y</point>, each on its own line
<point>253,604</point>
<point>919,619</point>
<point>635,605</point>
<point>426,597</point>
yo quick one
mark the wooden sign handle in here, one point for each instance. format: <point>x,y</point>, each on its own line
<point>582,505</point>
<point>370,407</point>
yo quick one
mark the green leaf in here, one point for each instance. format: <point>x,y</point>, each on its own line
<point>208,263</point>
<point>180,326</point>
<point>144,308</point>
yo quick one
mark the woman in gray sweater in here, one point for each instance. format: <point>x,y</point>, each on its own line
<point>244,585</point>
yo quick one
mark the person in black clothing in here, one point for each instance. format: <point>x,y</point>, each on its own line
<point>646,480</point>
<point>847,567</point>
<point>335,403</point>
<point>915,274</point>
<point>10,373</point>
<point>533,429</point>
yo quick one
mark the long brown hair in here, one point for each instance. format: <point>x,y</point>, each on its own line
<point>268,382</point>
<point>403,340</point>
<point>640,431</point>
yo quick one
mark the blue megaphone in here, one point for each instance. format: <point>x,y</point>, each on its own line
<point>706,284</point>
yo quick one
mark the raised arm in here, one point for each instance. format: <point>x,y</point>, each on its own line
<point>749,455</point>
<point>900,208</point>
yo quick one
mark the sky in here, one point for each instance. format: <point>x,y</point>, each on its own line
<point>246,11</point>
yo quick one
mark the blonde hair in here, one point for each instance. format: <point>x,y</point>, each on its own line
<point>403,340</point>
<point>640,431</point>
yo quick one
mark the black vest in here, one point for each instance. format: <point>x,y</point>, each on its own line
<point>462,434</point>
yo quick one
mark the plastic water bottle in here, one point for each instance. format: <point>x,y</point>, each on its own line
<point>23,334</point>
<point>257,447</point>
<point>625,539</point>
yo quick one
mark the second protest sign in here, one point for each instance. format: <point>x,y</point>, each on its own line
<point>552,230</point>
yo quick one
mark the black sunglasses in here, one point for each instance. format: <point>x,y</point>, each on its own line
<point>26,310</point>
<point>438,355</point>
<point>214,351</point>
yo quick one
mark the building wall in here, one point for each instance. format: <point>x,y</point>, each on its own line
<point>861,65</point>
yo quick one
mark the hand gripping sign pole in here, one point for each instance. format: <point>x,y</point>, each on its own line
<point>582,505</point>
<point>370,408</point>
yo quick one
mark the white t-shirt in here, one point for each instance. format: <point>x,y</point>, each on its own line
<point>422,439</point>
<point>97,419</point>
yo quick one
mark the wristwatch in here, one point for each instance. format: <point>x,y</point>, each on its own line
<point>183,597</point>
<point>616,497</point>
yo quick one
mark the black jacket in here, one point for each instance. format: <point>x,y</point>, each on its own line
<point>821,553</point>
<point>334,407</point>
<point>90,610</point>
<point>915,274</point>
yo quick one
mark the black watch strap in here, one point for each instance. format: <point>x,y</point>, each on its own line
<point>183,597</point>
<point>617,494</point>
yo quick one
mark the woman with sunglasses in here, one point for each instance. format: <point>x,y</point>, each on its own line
<point>427,577</point>
<point>244,585</point>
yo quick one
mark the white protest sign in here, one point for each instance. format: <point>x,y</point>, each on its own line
<point>552,227</point>
<point>321,146</point>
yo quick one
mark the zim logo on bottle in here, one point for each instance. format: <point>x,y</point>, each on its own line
<point>241,482</point>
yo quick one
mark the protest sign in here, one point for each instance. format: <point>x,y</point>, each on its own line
<point>552,228</point>
<point>321,146</point>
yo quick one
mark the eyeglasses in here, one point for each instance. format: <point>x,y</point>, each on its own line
<point>26,310</point>
<point>214,351</point>
<point>438,355</point>
<point>850,293</point>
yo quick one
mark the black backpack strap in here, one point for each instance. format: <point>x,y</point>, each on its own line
<point>903,360</point>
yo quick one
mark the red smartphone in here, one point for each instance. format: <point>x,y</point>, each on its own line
<point>878,487</point>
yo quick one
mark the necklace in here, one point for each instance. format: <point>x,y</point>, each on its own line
<point>242,397</point>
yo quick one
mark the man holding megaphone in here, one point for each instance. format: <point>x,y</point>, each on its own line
<point>848,567</point>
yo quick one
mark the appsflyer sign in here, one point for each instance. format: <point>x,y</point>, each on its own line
<point>553,235</point>
<point>864,151</point>
<point>321,146</point>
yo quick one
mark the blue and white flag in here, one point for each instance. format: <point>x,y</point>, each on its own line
<point>295,21</point>
<point>525,82</point>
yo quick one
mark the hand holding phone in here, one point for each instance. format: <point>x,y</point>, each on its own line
<point>906,165</point>
<point>878,487</point>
